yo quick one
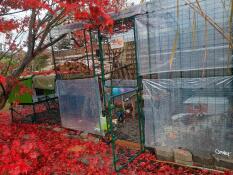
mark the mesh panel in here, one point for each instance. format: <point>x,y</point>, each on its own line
<point>198,46</point>
<point>193,112</point>
<point>80,106</point>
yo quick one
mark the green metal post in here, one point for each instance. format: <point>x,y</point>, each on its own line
<point>100,39</point>
<point>139,95</point>
<point>110,108</point>
<point>111,68</point>
<point>102,65</point>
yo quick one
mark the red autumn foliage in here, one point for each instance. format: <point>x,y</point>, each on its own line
<point>2,80</point>
<point>18,17</point>
<point>7,25</point>
<point>32,149</point>
<point>42,149</point>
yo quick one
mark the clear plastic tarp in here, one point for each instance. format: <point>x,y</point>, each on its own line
<point>80,104</point>
<point>195,114</point>
<point>177,38</point>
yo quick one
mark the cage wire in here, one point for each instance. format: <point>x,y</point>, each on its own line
<point>122,93</point>
<point>185,57</point>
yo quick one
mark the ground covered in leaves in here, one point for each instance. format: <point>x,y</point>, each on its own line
<point>50,149</point>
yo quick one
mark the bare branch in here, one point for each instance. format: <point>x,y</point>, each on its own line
<point>39,50</point>
<point>48,28</point>
<point>12,13</point>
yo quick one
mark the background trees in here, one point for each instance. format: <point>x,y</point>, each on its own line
<point>26,24</point>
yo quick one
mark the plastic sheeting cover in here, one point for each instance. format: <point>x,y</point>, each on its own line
<point>80,104</point>
<point>198,46</point>
<point>189,113</point>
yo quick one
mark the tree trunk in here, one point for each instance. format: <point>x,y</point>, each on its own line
<point>12,80</point>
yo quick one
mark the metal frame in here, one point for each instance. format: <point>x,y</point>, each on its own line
<point>107,103</point>
<point>109,107</point>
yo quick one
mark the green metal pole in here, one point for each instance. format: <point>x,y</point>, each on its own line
<point>110,108</point>
<point>139,95</point>
<point>111,67</point>
<point>100,39</point>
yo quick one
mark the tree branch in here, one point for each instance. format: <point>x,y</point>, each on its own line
<point>41,49</point>
<point>48,28</point>
<point>12,13</point>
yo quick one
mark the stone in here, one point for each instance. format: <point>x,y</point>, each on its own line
<point>87,158</point>
<point>221,162</point>
<point>57,129</point>
<point>26,136</point>
<point>71,136</point>
<point>45,126</point>
<point>66,135</point>
<point>203,159</point>
<point>85,140</point>
<point>92,138</point>
<point>95,140</point>
<point>72,133</point>
<point>183,157</point>
<point>84,135</point>
<point>184,162</point>
<point>84,161</point>
<point>164,153</point>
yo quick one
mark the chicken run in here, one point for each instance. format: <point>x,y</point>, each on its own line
<point>112,101</point>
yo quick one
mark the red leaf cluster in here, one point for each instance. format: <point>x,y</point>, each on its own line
<point>7,25</point>
<point>31,149</point>
<point>2,80</point>
<point>45,149</point>
<point>146,164</point>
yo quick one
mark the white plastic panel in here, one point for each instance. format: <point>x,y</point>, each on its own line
<point>80,104</point>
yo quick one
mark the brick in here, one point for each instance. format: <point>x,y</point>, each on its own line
<point>182,156</point>
<point>164,153</point>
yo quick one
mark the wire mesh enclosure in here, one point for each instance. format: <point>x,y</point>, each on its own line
<point>122,91</point>
<point>193,112</point>
<point>185,57</point>
<point>186,36</point>
<point>108,87</point>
